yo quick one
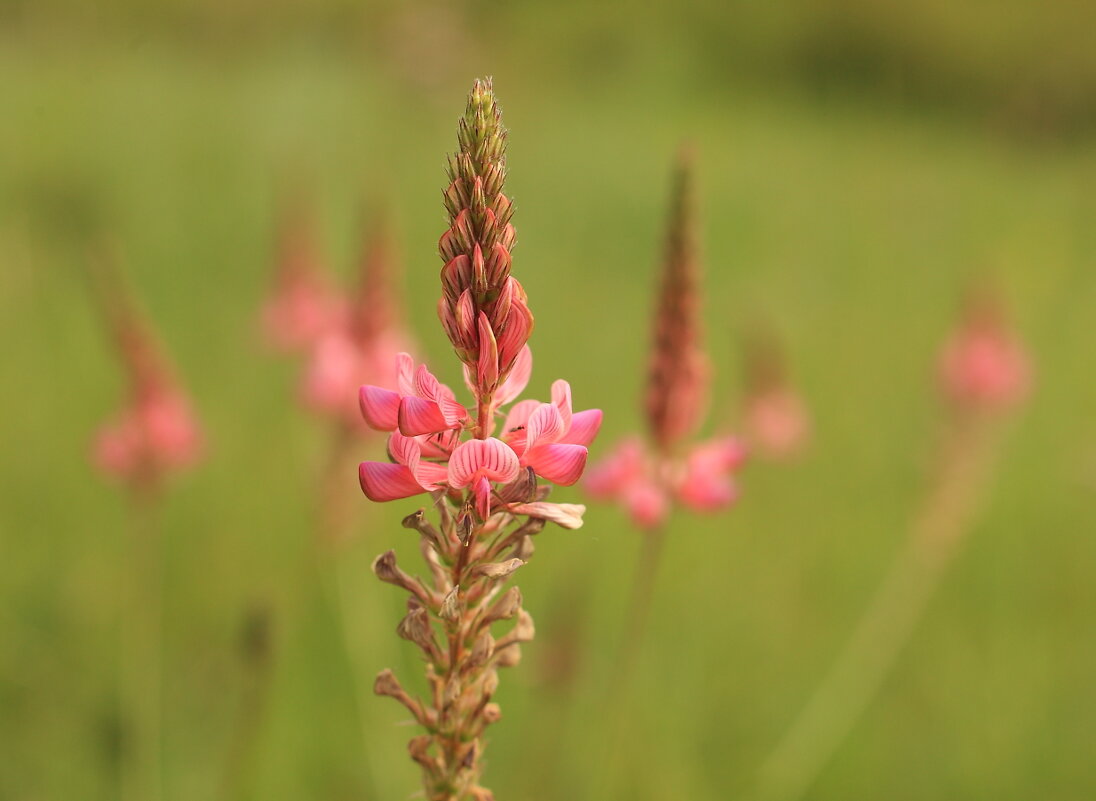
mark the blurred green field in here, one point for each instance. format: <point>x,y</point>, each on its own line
<point>853,225</point>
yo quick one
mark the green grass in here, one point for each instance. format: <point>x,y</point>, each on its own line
<point>853,228</point>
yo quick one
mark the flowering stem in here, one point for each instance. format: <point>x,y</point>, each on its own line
<point>967,462</point>
<point>142,642</point>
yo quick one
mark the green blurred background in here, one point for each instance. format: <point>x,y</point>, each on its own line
<point>859,161</point>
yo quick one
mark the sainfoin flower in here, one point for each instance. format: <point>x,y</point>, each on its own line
<point>984,366</point>
<point>357,346</point>
<point>427,421</point>
<point>303,306</point>
<point>489,493</point>
<point>775,418</point>
<point>156,431</point>
<point>648,478</point>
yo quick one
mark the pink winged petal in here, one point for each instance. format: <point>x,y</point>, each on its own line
<point>383,481</point>
<point>425,384</point>
<point>490,458</point>
<point>518,379</point>
<point>403,449</point>
<point>405,374</point>
<point>380,407</point>
<point>418,416</point>
<point>560,464</point>
<point>483,497</point>
<point>584,427</point>
<point>545,425</point>
<point>561,399</point>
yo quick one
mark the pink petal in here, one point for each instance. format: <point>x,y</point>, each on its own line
<point>584,427</point>
<point>487,369</point>
<point>483,497</point>
<point>490,458</point>
<point>383,481</point>
<point>561,399</point>
<point>519,324</point>
<point>425,384</point>
<point>518,379</point>
<point>545,425</point>
<point>560,464</point>
<point>418,416</point>
<point>380,407</point>
<point>405,374</point>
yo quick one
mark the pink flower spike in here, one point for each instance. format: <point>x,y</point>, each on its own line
<point>478,462</point>
<point>380,407</point>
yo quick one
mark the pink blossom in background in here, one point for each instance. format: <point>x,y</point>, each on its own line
<point>156,431</point>
<point>647,484</point>
<point>357,347</point>
<point>776,423</point>
<point>158,434</point>
<point>648,476</point>
<point>303,305</point>
<point>984,365</point>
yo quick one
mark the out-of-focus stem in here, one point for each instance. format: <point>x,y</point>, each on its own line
<point>642,596</point>
<point>969,456</point>
<point>338,575</point>
<point>637,616</point>
<point>142,642</point>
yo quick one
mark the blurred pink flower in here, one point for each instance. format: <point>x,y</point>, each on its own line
<point>302,306</point>
<point>357,347</point>
<point>156,431</point>
<point>777,423</point>
<point>984,365</point>
<point>646,483</point>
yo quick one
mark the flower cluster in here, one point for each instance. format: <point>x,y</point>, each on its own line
<point>775,418</point>
<point>485,490</point>
<point>303,305</point>
<point>428,454</point>
<point>156,432</point>
<point>358,348</point>
<point>348,338</point>
<point>645,479</point>
<point>984,366</point>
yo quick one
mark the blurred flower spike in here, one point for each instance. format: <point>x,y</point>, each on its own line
<point>984,366</point>
<point>156,432</point>
<point>648,478</point>
<point>302,306</point>
<point>357,346</point>
<point>776,421</point>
